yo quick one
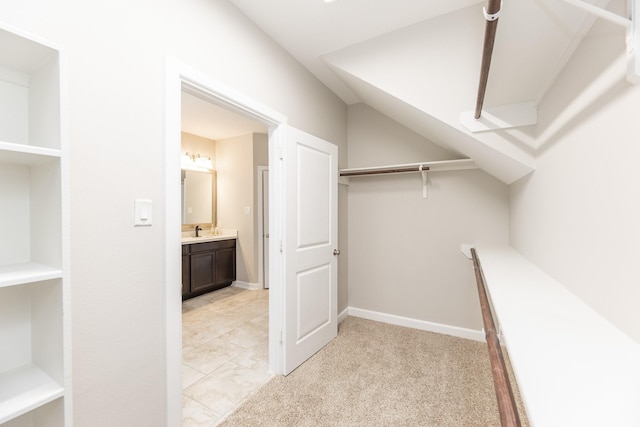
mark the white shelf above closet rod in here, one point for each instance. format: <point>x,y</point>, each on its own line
<point>422,167</point>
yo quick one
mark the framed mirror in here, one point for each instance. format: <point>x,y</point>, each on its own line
<point>198,197</point>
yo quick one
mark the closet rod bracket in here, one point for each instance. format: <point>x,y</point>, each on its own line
<point>423,172</point>
<point>491,16</point>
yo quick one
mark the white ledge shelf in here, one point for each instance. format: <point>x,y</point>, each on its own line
<point>24,389</point>
<point>29,272</point>
<point>26,154</point>
<point>573,367</point>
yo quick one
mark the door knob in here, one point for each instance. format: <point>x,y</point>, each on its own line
<point>336,252</point>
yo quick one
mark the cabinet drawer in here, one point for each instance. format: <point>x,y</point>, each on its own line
<point>212,246</point>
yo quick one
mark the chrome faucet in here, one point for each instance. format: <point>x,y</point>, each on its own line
<point>198,229</point>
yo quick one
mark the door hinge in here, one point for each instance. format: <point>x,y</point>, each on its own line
<point>281,248</point>
<point>281,341</point>
<point>280,152</point>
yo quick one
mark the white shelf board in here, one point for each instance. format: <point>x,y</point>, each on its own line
<point>504,117</point>
<point>22,51</point>
<point>439,165</point>
<point>28,272</point>
<point>26,154</point>
<point>573,367</point>
<point>24,389</point>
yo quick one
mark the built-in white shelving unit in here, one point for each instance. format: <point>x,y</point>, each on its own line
<point>34,308</point>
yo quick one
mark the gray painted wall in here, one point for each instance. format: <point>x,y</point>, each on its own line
<point>404,251</point>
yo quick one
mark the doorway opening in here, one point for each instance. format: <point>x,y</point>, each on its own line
<point>180,79</point>
<point>224,319</point>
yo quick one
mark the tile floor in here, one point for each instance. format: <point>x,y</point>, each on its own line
<point>225,355</point>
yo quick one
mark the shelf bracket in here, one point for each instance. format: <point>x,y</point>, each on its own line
<point>633,31</point>
<point>423,172</point>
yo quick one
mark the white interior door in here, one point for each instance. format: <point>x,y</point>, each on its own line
<point>311,236</point>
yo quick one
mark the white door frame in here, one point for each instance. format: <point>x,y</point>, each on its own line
<point>179,76</point>
<point>260,185</point>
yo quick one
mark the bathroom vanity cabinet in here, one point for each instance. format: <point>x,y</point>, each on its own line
<point>207,266</point>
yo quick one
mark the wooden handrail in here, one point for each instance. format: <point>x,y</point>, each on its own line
<point>493,7</point>
<point>504,394</point>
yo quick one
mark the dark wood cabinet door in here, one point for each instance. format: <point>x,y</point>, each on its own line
<point>225,266</point>
<point>203,274</point>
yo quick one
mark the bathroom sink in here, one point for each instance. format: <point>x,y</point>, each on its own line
<point>208,236</point>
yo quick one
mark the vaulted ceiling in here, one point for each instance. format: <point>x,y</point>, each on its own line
<point>418,62</point>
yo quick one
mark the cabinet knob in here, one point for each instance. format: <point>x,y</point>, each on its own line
<point>336,252</point>
<point>266,235</point>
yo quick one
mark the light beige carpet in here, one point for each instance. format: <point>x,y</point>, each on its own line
<point>375,374</point>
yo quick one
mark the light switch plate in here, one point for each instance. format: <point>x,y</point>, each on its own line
<point>143,212</point>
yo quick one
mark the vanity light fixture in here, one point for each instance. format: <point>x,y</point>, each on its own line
<point>196,162</point>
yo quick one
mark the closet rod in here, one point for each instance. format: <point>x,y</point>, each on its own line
<point>504,394</point>
<point>381,171</point>
<point>491,15</point>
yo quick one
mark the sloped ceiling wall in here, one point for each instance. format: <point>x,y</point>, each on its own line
<point>424,73</point>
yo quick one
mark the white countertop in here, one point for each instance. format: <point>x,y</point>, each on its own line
<point>206,236</point>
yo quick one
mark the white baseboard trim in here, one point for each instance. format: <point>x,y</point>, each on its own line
<point>247,285</point>
<point>343,315</point>
<point>423,325</point>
